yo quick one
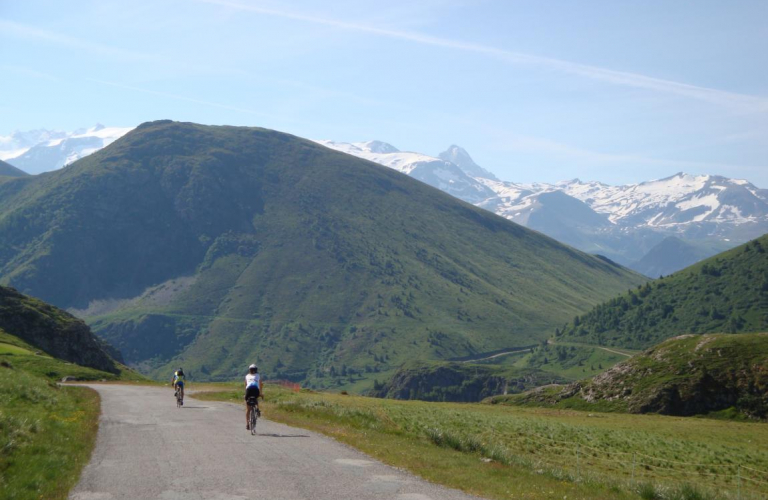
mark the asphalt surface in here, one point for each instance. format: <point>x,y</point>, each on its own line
<point>148,449</point>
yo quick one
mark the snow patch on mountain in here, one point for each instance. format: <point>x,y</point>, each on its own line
<point>43,150</point>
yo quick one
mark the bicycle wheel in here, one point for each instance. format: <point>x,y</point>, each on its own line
<point>253,421</point>
<point>178,399</point>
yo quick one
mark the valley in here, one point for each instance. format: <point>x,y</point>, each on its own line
<point>457,250</point>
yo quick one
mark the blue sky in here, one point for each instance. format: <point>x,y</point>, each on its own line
<point>536,91</point>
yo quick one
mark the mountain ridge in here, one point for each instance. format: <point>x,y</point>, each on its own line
<point>8,170</point>
<point>708,212</point>
<point>227,244</point>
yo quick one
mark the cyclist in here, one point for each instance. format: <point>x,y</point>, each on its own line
<point>178,383</point>
<point>253,389</point>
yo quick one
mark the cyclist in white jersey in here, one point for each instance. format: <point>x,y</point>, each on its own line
<point>253,389</point>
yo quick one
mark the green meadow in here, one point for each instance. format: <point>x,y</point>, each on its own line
<point>535,453</point>
<point>47,433</point>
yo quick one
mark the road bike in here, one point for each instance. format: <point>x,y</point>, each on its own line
<point>254,415</point>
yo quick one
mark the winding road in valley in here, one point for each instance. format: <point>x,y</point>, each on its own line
<point>148,449</point>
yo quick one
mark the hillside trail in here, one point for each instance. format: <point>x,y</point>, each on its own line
<point>148,449</point>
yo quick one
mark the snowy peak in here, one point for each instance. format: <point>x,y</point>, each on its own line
<point>40,151</point>
<point>459,156</point>
<point>436,172</point>
<point>379,147</point>
<point>679,199</point>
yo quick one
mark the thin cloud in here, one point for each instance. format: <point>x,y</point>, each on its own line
<point>23,70</point>
<point>19,30</point>
<point>181,98</point>
<point>734,101</point>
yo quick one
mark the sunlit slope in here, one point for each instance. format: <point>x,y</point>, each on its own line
<point>218,246</point>
<point>726,293</point>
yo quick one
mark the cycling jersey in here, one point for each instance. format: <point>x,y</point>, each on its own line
<point>252,380</point>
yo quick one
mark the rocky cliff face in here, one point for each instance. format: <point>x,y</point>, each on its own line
<point>53,331</point>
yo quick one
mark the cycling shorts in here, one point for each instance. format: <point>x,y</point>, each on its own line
<point>179,383</point>
<point>252,392</point>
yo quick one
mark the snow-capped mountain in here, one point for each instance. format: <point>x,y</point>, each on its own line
<point>675,200</point>
<point>40,151</point>
<point>673,203</point>
<point>442,174</point>
<point>663,219</point>
<point>620,222</point>
<point>459,157</point>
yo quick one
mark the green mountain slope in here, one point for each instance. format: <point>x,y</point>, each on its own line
<point>687,375</point>
<point>726,293</point>
<point>8,170</point>
<point>49,329</point>
<point>218,246</point>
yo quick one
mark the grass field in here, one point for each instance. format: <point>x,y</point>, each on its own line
<point>502,452</point>
<point>46,435</point>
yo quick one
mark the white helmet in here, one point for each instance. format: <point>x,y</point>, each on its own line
<point>253,367</point>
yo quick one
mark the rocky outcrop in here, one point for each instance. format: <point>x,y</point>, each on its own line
<point>684,376</point>
<point>53,331</point>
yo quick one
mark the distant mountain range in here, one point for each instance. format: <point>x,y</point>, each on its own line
<point>631,224</point>
<point>39,151</point>
<point>706,213</point>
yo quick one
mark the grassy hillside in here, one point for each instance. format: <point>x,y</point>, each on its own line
<point>503,452</point>
<point>459,382</point>
<point>53,331</point>
<point>219,246</point>
<point>568,360</point>
<point>726,293</point>
<point>46,434</point>
<point>688,375</point>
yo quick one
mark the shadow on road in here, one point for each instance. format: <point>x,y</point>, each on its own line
<point>283,435</point>
<point>194,407</point>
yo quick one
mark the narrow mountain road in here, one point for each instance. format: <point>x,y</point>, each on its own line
<point>148,449</point>
<point>616,352</point>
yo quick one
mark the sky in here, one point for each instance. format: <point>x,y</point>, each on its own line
<point>619,92</point>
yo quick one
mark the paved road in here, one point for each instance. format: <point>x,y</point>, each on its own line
<point>148,449</point>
